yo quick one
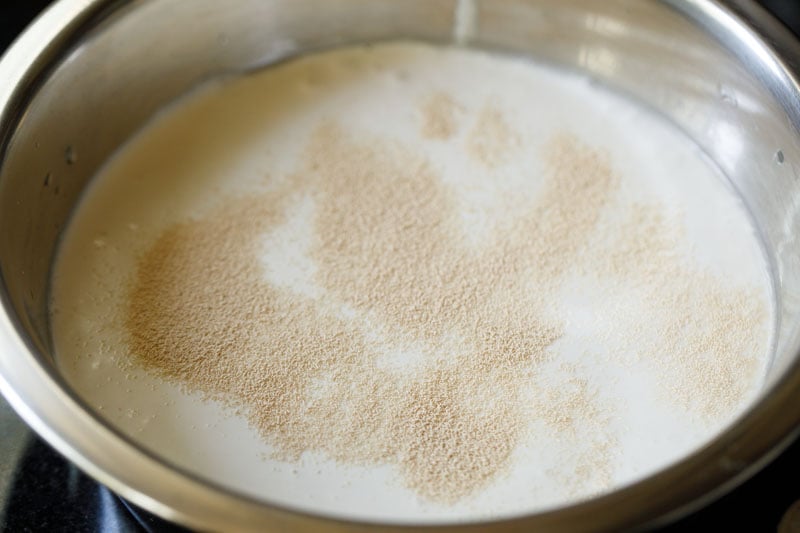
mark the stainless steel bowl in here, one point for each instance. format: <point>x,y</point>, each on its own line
<point>88,73</point>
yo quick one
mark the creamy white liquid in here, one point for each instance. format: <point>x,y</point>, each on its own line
<point>226,138</point>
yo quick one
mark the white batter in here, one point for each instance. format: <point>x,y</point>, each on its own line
<point>225,138</point>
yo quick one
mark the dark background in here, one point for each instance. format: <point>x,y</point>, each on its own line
<point>46,493</point>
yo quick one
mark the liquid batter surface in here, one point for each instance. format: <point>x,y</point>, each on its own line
<point>413,283</point>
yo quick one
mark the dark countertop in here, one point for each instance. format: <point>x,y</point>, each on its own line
<point>40,491</point>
